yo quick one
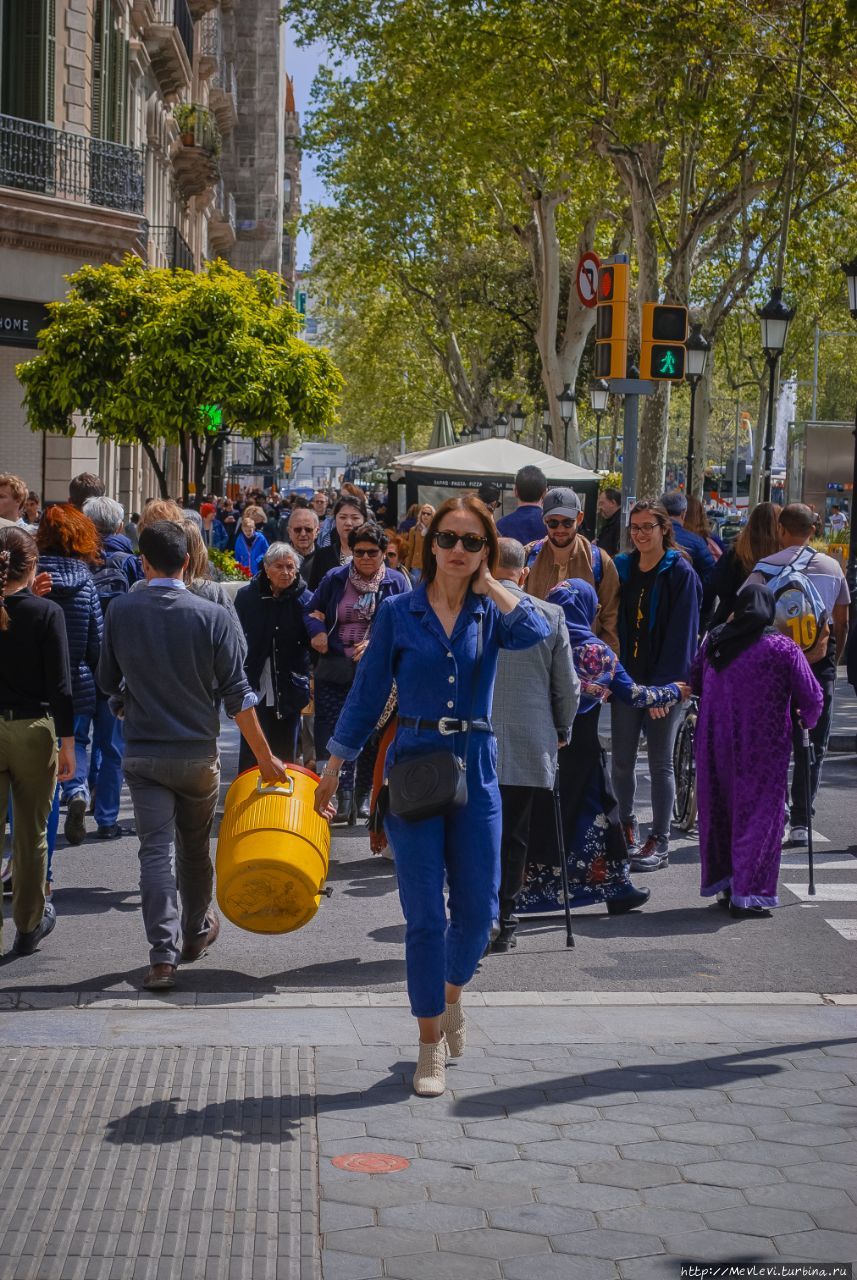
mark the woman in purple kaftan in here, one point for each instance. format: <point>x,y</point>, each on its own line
<point>750,678</point>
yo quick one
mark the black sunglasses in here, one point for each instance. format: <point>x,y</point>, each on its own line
<point>471,542</point>
<point>366,552</point>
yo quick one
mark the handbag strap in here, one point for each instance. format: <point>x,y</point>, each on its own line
<point>476,669</point>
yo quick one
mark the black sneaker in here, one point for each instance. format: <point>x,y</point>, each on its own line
<point>112,832</point>
<point>26,943</point>
<point>75,822</point>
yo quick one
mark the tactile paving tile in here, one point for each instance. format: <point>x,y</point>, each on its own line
<point>150,1164</point>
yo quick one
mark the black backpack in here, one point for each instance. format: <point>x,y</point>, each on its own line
<point>111,579</point>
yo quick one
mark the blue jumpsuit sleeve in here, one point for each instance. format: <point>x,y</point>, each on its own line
<point>368,695</point>
<point>641,696</point>
<point>522,628</point>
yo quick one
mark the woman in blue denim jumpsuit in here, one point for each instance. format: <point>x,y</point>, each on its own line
<point>427,642</point>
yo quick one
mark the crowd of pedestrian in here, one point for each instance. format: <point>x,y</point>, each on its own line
<point>356,648</point>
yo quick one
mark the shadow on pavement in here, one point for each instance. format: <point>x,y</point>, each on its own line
<point>245,1120</point>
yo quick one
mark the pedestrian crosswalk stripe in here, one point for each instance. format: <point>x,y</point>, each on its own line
<point>825,892</point>
<point>848,928</point>
<point>844,862</point>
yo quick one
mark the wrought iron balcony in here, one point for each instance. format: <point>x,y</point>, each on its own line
<point>221,226</point>
<point>168,248</point>
<point>195,159</point>
<point>39,158</point>
<point>169,43</point>
<point>210,43</point>
<point>223,95</point>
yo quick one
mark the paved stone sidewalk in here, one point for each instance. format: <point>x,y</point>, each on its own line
<point>574,1143</point>
<point>590,1162</point>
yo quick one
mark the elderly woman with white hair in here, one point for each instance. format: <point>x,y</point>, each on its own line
<point>271,611</point>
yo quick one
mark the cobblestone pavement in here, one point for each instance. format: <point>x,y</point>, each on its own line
<point>702,1133</point>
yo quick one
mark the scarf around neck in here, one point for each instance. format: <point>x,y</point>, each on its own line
<point>367,589</point>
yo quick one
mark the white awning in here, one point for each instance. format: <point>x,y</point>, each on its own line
<point>494,457</point>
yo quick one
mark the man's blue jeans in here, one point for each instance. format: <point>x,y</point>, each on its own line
<point>108,748</point>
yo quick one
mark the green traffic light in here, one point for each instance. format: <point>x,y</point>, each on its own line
<point>668,365</point>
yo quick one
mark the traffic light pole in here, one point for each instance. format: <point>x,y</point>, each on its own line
<point>688,478</point>
<point>631,389</point>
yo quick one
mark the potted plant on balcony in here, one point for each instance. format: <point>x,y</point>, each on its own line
<point>185,116</point>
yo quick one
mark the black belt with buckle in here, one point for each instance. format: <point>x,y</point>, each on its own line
<point>446,725</point>
<point>22,713</point>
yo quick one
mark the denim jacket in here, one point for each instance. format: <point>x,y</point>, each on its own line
<point>433,672</point>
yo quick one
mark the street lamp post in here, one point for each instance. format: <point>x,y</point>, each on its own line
<point>502,426</point>
<point>547,427</point>
<point>599,398</point>
<point>567,400</point>
<point>697,351</point>
<point>775,318</point>
<point>850,269</point>
<point>519,421</point>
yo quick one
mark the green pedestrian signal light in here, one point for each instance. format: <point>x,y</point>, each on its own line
<point>212,418</point>
<point>662,342</point>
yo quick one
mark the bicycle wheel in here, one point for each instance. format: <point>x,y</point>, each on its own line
<point>684,766</point>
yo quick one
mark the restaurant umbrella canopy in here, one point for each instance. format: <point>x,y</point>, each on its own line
<point>463,467</point>
<point>442,436</point>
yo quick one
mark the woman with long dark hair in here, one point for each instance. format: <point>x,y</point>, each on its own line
<point>659,603</point>
<point>339,617</point>
<point>36,708</point>
<point>69,547</point>
<point>757,540</point>
<point>349,513</point>
<point>750,679</point>
<point>439,644</point>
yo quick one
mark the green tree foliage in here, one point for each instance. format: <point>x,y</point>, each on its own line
<point>137,353</point>
<point>662,129</point>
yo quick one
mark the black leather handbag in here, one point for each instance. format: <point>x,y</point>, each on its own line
<point>434,784</point>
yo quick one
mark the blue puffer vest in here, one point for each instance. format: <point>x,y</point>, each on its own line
<point>74,591</point>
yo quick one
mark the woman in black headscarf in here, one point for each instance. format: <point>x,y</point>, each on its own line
<point>750,679</point>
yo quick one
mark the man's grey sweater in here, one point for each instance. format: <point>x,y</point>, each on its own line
<point>177,656</point>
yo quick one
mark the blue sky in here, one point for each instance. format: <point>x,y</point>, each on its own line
<point>302,64</point>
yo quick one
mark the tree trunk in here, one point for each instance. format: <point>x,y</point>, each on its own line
<point>184,455</point>
<point>201,447</point>
<point>156,467</point>
<point>700,433</point>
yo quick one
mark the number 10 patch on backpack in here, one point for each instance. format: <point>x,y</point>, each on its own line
<point>800,612</point>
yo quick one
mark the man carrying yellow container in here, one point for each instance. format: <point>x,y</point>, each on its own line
<point>170,657</point>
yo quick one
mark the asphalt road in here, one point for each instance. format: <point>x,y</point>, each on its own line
<point>676,943</point>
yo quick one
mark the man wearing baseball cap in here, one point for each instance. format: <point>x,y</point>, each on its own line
<point>565,553</point>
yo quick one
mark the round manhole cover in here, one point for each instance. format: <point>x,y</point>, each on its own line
<point>370,1162</point>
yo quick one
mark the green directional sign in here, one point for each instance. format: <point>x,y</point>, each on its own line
<point>665,362</point>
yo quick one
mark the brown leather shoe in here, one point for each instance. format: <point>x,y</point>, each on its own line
<point>160,977</point>
<point>193,950</point>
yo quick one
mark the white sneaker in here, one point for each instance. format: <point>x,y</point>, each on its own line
<point>799,835</point>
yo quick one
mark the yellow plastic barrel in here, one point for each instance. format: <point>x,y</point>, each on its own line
<point>273,852</point>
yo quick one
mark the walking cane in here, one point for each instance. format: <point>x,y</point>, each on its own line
<point>563,869</point>
<point>807,767</point>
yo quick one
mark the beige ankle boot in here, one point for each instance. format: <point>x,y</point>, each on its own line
<point>453,1027</point>
<point>430,1075</point>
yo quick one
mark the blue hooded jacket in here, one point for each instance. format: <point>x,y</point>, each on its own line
<point>674,605</point>
<point>74,591</point>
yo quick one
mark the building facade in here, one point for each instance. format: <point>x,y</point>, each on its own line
<point>127,126</point>
<point>291,188</point>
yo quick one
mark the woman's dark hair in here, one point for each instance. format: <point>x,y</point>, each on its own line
<point>65,531</point>
<point>760,537</point>
<point>349,500</point>
<point>18,555</point>
<point>660,514</point>
<point>477,508</point>
<point>368,532</point>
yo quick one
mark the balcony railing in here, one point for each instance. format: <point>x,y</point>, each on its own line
<point>177,13</point>
<point>171,244</point>
<point>223,94</point>
<point>211,37</point>
<point>39,158</point>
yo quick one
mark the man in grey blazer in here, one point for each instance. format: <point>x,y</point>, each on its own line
<point>535,700</point>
